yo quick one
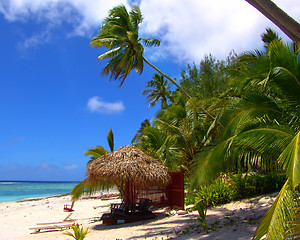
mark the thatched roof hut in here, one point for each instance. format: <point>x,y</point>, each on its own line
<point>128,163</point>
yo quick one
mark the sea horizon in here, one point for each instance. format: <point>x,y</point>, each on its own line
<point>17,190</point>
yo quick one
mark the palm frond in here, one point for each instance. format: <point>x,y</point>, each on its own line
<point>290,158</point>
<point>110,54</point>
<point>266,141</point>
<point>110,140</point>
<point>274,223</point>
<point>293,231</point>
<point>286,84</point>
<point>85,188</point>
<point>209,163</point>
<point>149,42</point>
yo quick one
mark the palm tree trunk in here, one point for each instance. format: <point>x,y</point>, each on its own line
<point>280,18</point>
<point>170,79</point>
<point>179,87</point>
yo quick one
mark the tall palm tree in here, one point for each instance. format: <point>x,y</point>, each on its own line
<point>264,122</point>
<point>160,91</point>
<point>119,33</point>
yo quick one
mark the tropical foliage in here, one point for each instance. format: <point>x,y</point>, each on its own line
<point>160,91</point>
<point>262,126</point>
<point>119,33</point>
<point>238,115</point>
<point>256,126</point>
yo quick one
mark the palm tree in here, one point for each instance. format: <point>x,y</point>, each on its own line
<point>99,150</point>
<point>119,33</point>
<point>189,127</point>
<point>84,187</point>
<point>94,153</point>
<point>138,135</point>
<point>286,23</point>
<point>264,123</point>
<point>160,145</point>
<point>160,91</point>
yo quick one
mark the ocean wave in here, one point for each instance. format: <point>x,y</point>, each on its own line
<point>8,183</point>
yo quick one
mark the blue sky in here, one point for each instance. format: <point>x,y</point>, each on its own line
<point>53,101</point>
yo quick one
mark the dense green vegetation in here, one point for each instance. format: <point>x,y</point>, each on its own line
<point>255,100</point>
<point>238,116</point>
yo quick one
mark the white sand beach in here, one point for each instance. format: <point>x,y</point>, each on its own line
<point>237,220</point>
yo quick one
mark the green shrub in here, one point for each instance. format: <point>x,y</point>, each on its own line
<point>240,185</point>
<point>189,199</point>
<point>266,183</point>
<point>216,193</point>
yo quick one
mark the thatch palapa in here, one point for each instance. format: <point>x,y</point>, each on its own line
<point>129,163</point>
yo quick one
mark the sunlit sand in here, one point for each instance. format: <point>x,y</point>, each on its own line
<point>236,220</point>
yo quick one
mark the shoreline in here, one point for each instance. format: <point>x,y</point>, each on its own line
<point>236,220</point>
<point>29,199</point>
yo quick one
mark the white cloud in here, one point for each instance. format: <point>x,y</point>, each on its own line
<point>188,29</point>
<point>192,28</point>
<point>71,167</point>
<point>95,104</point>
<point>84,16</point>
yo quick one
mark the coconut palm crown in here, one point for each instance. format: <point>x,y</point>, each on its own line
<point>120,34</point>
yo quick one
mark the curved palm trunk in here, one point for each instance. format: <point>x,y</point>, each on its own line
<point>280,18</point>
<point>179,87</point>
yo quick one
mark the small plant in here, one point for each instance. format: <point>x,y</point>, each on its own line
<point>202,210</point>
<point>78,233</point>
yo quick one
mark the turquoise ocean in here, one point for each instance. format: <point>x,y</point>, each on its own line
<point>20,190</point>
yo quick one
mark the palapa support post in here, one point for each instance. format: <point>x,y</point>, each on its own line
<point>127,193</point>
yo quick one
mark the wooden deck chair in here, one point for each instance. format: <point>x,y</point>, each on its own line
<point>60,226</point>
<point>119,207</point>
<point>65,220</point>
<point>68,207</point>
<point>66,223</point>
<point>142,206</point>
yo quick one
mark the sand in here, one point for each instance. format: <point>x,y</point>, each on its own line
<point>237,220</point>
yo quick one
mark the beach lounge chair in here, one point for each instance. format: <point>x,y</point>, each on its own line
<point>65,220</point>
<point>119,214</point>
<point>119,208</point>
<point>68,207</point>
<point>142,206</point>
<point>66,223</point>
<point>60,226</point>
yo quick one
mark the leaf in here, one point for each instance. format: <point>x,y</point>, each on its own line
<point>272,225</point>
<point>110,140</point>
<point>149,42</point>
<point>268,141</point>
<point>208,164</point>
<point>290,158</point>
<point>109,54</point>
